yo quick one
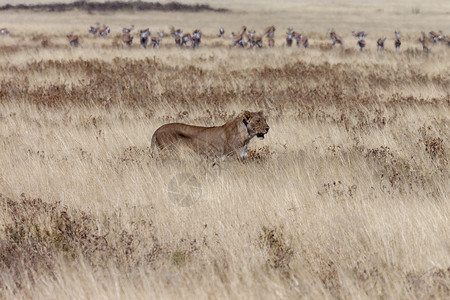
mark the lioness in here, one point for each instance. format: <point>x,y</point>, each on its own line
<point>232,138</point>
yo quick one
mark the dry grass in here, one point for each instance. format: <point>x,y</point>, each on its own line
<point>347,197</point>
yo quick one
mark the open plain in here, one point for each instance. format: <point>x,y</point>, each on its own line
<point>346,197</point>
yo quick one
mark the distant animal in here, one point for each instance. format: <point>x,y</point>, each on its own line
<point>144,35</point>
<point>424,42</point>
<point>127,39</point>
<point>73,40</point>
<point>127,30</point>
<point>359,34</point>
<point>175,32</point>
<point>4,31</point>
<point>156,40</point>
<point>270,33</point>
<point>361,43</point>
<point>289,36</point>
<point>239,39</point>
<point>93,30</point>
<point>185,39</point>
<point>299,38</point>
<point>230,139</point>
<point>436,36</point>
<point>104,31</point>
<point>397,42</point>
<point>336,39</point>
<point>221,32</point>
<point>380,43</point>
<point>302,40</point>
<point>254,40</point>
<point>178,40</point>
<point>196,38</point>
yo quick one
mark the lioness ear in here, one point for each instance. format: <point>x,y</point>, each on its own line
<point>261,113</point>
<point>246,115</point>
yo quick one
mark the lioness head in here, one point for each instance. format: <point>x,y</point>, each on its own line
<point>256,124</point>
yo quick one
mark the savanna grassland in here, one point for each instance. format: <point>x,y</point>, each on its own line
<point>346,197</point>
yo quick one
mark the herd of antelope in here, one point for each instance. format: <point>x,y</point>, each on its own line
<point>434,37</point>
<point>244,37</point>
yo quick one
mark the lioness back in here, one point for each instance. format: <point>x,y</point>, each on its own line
<point>179,135</point>
<point>228,139</point>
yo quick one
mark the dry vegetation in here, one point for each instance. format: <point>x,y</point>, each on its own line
<point>347,197</point>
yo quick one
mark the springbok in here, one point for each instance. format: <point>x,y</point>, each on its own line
<point>185,38</point>
<point>359,34</point>
<point>73,40</point>
<point>289,36</point>
<point>196,38</point>
<point>270,32</point>
<point>127,39</point>
<point>221,32</point>
<point>335,38</point>
<point>380,43</point>
<point>175,32</point>
<point>155,40</point>
<point>127,30</point>
<point>298,37</point>
<point>424,42</point>
<point>239,39</point>
<point>254,40</point>
<point>178,40</point>
<point>436,37</point>
<point>104,31</point>
<point>4,31</point>
<point>361,43</point>
<point>302,40</point>
<point>144,34</point>
<point>397,42</point>
<point>93,29</point>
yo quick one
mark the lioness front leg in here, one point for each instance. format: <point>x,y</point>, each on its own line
<point>244,153</point>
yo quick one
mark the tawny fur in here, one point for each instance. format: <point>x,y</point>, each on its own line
<point>230,139</point>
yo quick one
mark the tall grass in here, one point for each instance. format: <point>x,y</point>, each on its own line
<point>347,196</point>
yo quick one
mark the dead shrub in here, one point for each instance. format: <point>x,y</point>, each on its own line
<point>35,234</point>
<point>279,251</point>
<point>434,145</point>
<point>396,173</point>
<point>260,154</point>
